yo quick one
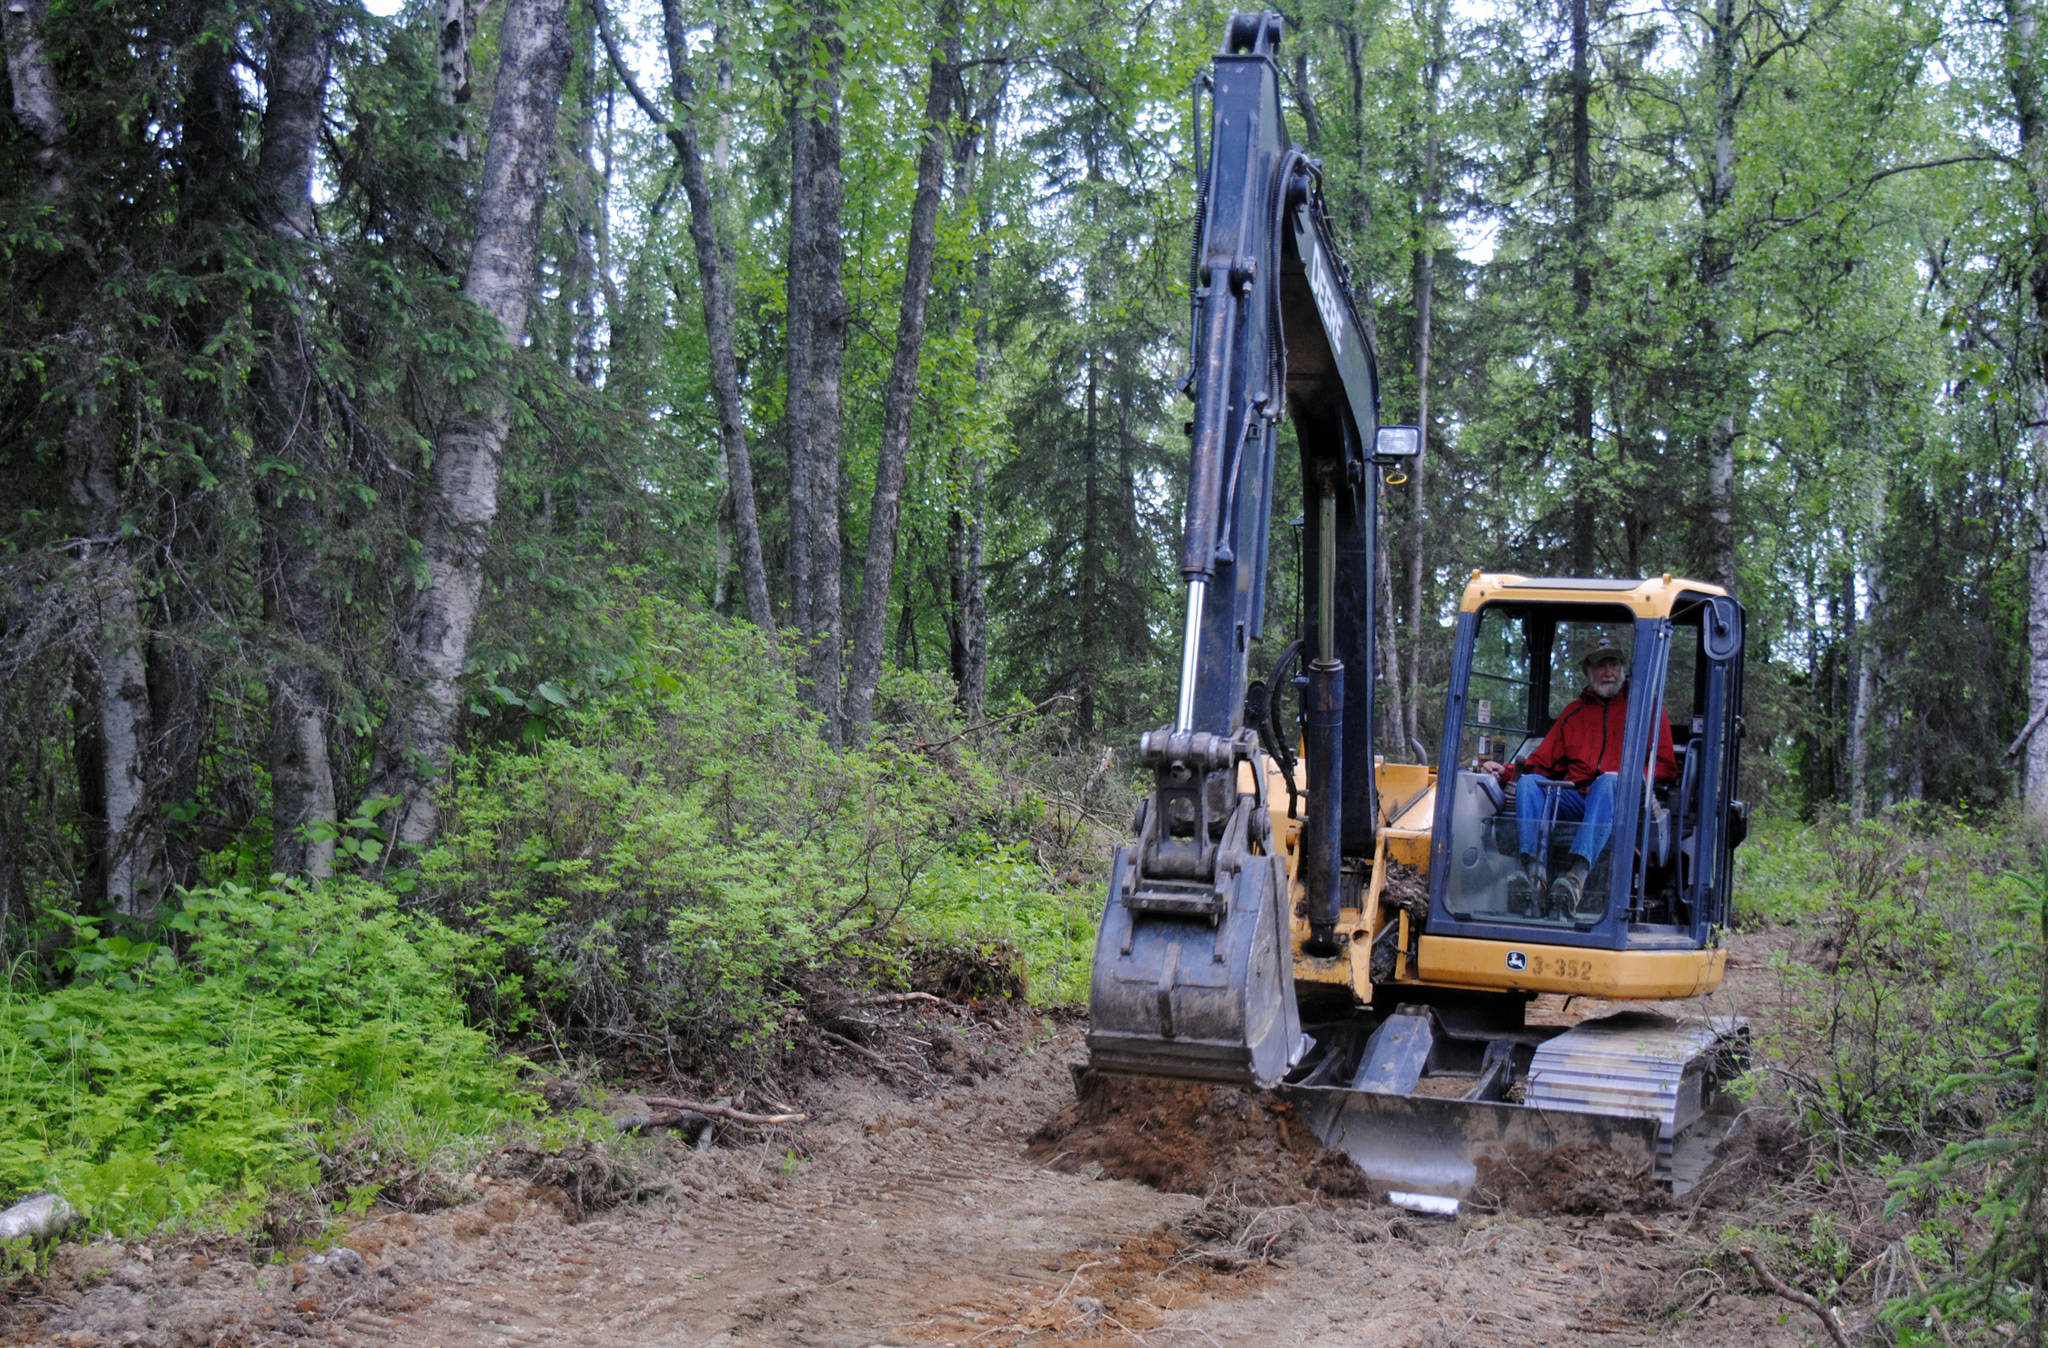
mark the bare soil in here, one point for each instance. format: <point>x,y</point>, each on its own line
<point>948,1187</point>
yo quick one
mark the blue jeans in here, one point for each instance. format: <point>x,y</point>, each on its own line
<point>1539,801</point>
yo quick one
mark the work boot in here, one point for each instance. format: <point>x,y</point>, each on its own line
<point>1525,887</point>
<point>1567,889</point>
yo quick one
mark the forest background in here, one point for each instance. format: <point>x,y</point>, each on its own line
<point>343,424</point>
<point>524,515</point>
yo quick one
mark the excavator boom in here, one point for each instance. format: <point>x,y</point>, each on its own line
<point>1193,972</point>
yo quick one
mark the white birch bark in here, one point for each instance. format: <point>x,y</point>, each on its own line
<point>303,809</point>
<point>413,756</point>
<point>131,846</point>
<point>865,669</point>
<point>34,82</point>
<point>458,30</point>
<point>2025,55</point>
<point>818,321</point>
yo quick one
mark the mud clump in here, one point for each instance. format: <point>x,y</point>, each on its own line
<point>1407,888</point>
<point>1767,1152</point>
<point>966,973</point>
<point>577,1180</point>
<point>1580,1181</point>
<point>1196,1139</point>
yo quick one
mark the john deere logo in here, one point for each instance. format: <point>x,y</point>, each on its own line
<point>1517,961</point>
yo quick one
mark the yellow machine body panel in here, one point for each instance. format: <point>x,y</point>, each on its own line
<point>1407,794</point>
<point>1614,975</point>
<point>1653,598</point>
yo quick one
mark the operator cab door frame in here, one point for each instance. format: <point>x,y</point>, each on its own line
<point>1705,837</point>
<point>1681,880</point>
<point>1539,620</point>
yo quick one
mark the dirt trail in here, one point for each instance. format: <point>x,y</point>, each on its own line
<point>904,1221</point>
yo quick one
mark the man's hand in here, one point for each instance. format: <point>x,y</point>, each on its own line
<point>1487,765</point>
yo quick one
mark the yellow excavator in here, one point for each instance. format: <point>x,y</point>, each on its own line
<point>1368,937</point>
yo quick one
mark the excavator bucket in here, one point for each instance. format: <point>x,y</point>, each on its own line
<point>1194,997</point>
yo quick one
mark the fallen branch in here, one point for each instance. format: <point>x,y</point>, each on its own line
<point>861,1049</point>
<point>923,746</point>
<point>1933,1311</point>
<point>1797,1297</point>
<point>720,1111</point>
<point>657,1118</point>
<point>1092,1263</point>
<point>898,998</point>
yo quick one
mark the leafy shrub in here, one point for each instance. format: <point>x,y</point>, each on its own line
<point>1780,874</point>
<point>301,1021</point>
<point>1907,977</point>
<point>1912,1045</point>
<point>668,863</point>
<point>1982,1202</point>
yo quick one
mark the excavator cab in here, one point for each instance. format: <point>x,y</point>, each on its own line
<point>1659,862</point>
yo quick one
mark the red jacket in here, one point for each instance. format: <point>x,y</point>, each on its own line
<point>1585,741</point>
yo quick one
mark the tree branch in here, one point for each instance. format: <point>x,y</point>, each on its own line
<point>1794,1295</point>
<point>1787,221</point>
<point>625,73</point>
<point>993,721</point>
<point>718,1111</point>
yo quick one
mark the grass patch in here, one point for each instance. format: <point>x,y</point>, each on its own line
<point>1003,900</point>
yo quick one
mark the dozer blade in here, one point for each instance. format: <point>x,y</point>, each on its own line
<point>1429,1151</point>
<point>1188,997</point>
<point>1635,1084</point>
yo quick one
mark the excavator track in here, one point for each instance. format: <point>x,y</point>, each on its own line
<point>1639,1066</point>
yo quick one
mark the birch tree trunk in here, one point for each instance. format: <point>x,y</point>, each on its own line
<point>1425,332</point>
<point>966,537</point>
<point>1578,235</point>
<point>302,807</point>
<point>1863,695</point>
<point>715,290</point>
<point>129,841</point>
<point>817,336</point>
<point>715,285</point>
<point>34,82</point>
<point>458,31</point>
<point>419,738</point>
<point>973,599</point>
<point>1717,269</point>
<point>132,845</point>
<point>2025,55</point>
<point>1389,653</point>
<point>1361,203</point>
<point>879,571</point>
<point>1091,663</point>
<point>967,522</point>
<point>134,839</point>
<point>583,199</point>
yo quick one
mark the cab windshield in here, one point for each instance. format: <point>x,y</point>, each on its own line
<point>1516,834</point>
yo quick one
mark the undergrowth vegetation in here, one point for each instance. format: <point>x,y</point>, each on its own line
<point>300,1024</point>
<point>674,862</point>
<point>1910,1045</point>
<point>665,863</point>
